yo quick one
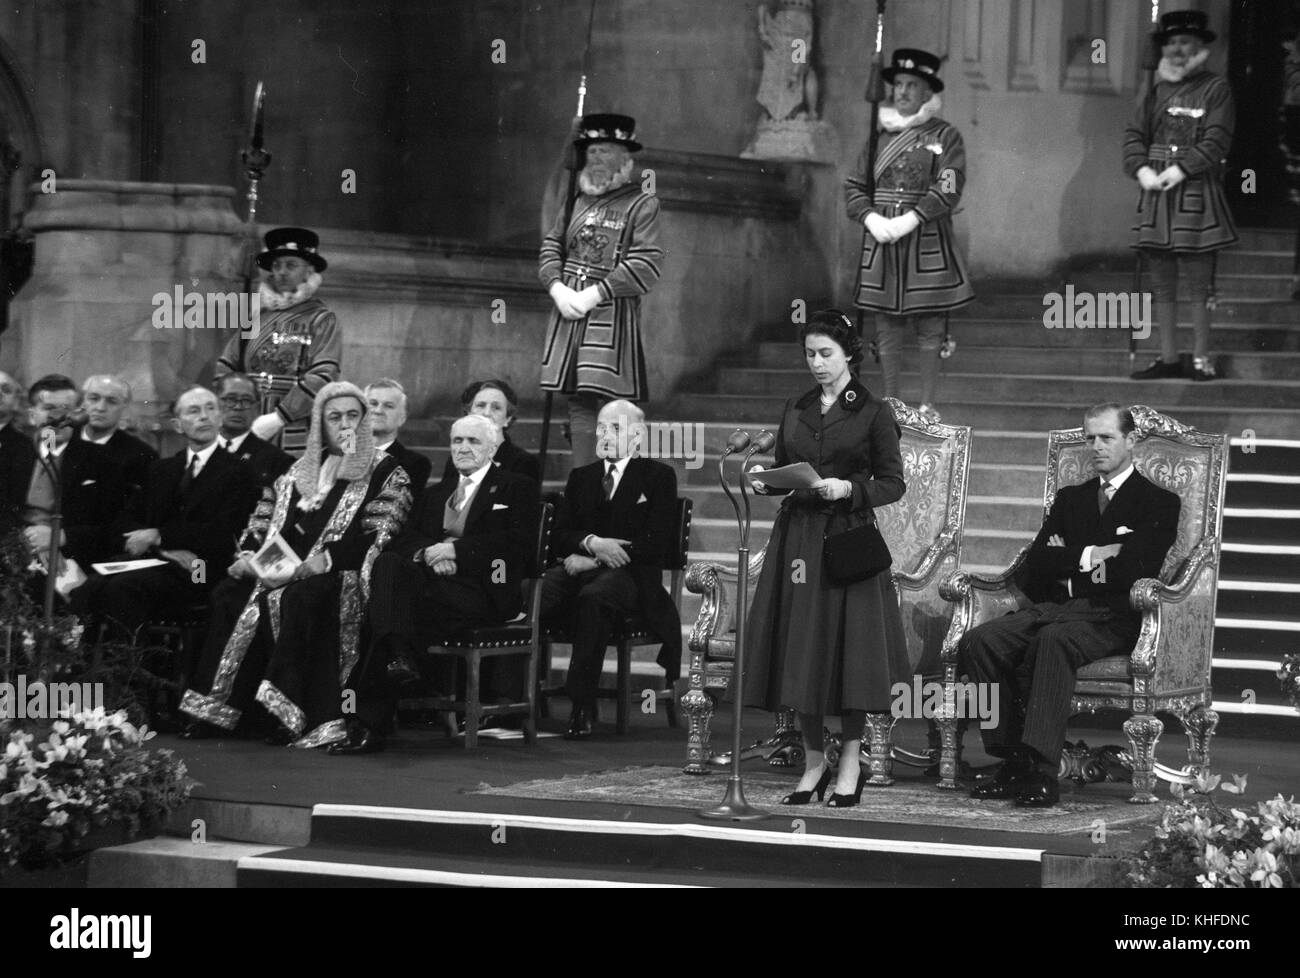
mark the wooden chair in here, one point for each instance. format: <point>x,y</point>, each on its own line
<point>924,533</point>
<point>1169,668</point>
<point>633,633</point>
<point>516,638</point>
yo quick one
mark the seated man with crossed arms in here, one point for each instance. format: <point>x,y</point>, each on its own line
<point>1098,539</point>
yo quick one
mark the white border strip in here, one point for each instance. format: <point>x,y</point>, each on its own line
<point>1258,514</point>
<point>717,833</point>
<point>1281,480</point>
<point>404,874</point>
<point>1263,665</point>
<point>1253,548</point>
<point>1278,587</point>
<point>1260,709</point>
<point>1258,624</point>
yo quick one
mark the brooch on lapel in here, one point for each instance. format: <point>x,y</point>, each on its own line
<point>850,397</point>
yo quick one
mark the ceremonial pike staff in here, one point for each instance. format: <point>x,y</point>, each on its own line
<point>573,164</point>
<point>875,94</point>
<point>256,158</point>
<point>1149,64</point>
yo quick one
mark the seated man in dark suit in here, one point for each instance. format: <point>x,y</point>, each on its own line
<point>93,494</point>
<point>105,400</point>
<point>189,515</point>
<point>1098,539</point>
<point>458,564</point>
<point>495,400</point>
<point>614,532</point>
<point>237,395</point>
<point>387,399</point>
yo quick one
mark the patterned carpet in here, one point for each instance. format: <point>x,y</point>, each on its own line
<point>666,787</point>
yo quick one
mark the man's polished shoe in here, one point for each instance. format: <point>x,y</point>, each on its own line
<point>579,725</point>
<point>361,740</point>
<point>1038,790</point>
<point>1005,782</point>
<point>402,670</point>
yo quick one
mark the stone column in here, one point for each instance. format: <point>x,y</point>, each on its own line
<point>104,249</point>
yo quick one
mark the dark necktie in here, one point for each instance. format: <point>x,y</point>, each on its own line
<point>608,482</point>
<point>187,479</point>
<point>1103,498</point>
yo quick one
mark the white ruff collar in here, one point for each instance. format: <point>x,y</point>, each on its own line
<point>891,120</point>
<point>619,179</point>
<point>1172,73</point>
<point>273,300</point>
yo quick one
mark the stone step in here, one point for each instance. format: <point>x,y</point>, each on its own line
<point>1030,308</point>
<point>1053,411</point>
<point>1072,387</point>
<point>1111,361</point>
<point>1243,280</point>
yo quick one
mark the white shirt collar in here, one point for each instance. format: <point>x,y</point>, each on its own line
<point>384,446</point>
<point>1118,480</point>
<point>104,440</point>
<point>203,456</point>
<point>475,478</point>
<point>234,444</point>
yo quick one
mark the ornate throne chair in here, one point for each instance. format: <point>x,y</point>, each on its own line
<point>1169,668</point>
<point>923,530</point>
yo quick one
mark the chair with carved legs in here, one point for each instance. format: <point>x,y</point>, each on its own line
<point>1168,670</point>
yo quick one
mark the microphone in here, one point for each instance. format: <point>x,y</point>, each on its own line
<point>737,441</point>
<point>765,441</point>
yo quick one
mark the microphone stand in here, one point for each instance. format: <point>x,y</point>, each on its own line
<point>52,551</point>
<point>733,807</point>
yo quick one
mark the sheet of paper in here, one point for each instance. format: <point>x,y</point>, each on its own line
<point>276,559</point>
<point>800,475</point>
<point>122,566</point>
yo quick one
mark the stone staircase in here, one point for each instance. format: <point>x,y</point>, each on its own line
<point>1012,380</point>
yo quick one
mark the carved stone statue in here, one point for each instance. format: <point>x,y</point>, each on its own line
<point>788,92</point>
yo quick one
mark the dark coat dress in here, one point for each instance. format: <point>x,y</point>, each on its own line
<point>814,646</point>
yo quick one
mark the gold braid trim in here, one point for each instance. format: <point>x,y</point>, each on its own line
<point>329,732</point>
<point>206,708</point>
<point>281,707</point>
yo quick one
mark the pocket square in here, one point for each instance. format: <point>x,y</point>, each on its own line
<point>642,500</point>
<point>496,506</point>
<point>88,482</point>
<point>1121,530</point>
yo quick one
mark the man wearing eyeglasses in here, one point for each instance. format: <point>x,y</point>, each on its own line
<point>239,401</point>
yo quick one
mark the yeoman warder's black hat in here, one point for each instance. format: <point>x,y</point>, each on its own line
<point>607,127</point>
<point>914,61</point>
<point>291,243</point>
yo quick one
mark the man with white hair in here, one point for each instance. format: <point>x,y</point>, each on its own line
<point>614,533</point>
<point>387,399</point>
<point>105,399</point>
<point>596,271</point>
<point>458,564</point>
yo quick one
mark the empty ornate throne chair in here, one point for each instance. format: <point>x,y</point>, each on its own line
<point>924,532</point>
<point>1169,668</point>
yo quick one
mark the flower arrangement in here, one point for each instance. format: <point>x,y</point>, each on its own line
<point>1288,675</point>
<point>92,771</point>
<point>1200,844</point>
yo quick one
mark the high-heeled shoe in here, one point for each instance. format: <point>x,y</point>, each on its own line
<point>803,797</point>
<point>848,801</point>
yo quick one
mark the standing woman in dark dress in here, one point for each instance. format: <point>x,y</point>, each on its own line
<point>817,647</point>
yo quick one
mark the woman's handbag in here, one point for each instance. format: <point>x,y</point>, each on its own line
<point>855,554</point>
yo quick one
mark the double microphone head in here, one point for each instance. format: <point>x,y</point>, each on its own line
<point>740,440</point>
